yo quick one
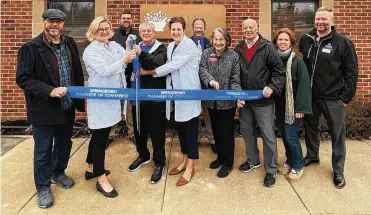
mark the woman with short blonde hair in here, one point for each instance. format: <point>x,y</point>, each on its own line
<point>94,26</point>
<point>105,63</point>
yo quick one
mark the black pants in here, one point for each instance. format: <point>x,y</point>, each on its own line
<point>334,113</point>
<point>152,121</point>
<point>52,160</point>
<point>222,123</point>
<point>188,137</point>
<point>96,153</point>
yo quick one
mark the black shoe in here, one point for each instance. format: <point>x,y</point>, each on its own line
<point>308,161</point>
<point>111,194</point>
<point>339,181</point>
<point>137,164</point>
<point>215,164</point>
<point>224,172</point>
<point>44,198</point>
<point>63,181</point>
<point>213,148</point>
<point>157,174</point>
<point>90,175</point>
<point>270,180</point>
<point>246,167</point>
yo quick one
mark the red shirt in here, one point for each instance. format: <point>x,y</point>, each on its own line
<point>249,52</point>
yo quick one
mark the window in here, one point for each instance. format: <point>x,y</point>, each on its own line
<point>298,15</point>
<point>79,16</point>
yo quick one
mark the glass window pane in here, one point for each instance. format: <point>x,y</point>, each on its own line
<point>295,14</point>
<point>79,14</point>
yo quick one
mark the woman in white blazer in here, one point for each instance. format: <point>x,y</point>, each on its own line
<point>105,63</point>
<point>181,70</point>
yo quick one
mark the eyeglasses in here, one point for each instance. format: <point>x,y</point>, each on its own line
<point>104,29</point>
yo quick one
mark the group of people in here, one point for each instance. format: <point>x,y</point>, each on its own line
<point>297,84</point>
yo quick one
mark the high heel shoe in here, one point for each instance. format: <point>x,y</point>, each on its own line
<point>111,194</point>
<point>182,181</point>
<point>176,171</point>
<point>90,175</point>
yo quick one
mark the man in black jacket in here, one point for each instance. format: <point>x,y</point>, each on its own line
<point>202,43</point>
<point>120,37</point>
<point>332,64</point>
<point>152,54</point>
<point>48,64</point>
<point>261,69</point>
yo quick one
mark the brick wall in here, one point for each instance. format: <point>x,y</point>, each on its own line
<point>236,11</point>
<point>16,29</point>
<point>353,18</point>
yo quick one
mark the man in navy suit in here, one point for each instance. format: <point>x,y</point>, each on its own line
<point>199,26</point>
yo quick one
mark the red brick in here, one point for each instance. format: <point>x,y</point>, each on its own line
<point>352,18</point>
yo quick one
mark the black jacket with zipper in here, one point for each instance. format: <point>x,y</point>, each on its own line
<point>265,69</point>
<point>120,36</point>
<point>38,74</point>
<point>332,65</point>
<point>156,57</point>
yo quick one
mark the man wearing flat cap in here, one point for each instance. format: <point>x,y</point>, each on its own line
<point>47,65</point>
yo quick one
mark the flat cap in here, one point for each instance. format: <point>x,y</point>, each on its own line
<point>54,14</point>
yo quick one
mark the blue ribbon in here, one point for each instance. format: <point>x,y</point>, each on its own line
<point>136,69</point>
<point>161,94</point>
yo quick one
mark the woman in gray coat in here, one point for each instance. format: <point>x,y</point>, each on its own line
<point>220,70</point>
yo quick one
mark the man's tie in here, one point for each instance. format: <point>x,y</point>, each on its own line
<point>199,45</point>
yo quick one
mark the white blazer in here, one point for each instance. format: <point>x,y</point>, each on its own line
<point>183,67</point>
<point>106,69</point>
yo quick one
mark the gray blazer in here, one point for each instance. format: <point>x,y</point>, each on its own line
<point>224,69</point>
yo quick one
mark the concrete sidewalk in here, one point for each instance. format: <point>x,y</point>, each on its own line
<point>240,193</point>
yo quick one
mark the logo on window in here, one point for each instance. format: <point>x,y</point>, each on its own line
<point>158,19</point>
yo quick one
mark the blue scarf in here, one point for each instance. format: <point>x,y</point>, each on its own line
<point>144,49</point>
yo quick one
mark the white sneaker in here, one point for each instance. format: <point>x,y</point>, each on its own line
<point>284,170</point>
<point>295,175</point>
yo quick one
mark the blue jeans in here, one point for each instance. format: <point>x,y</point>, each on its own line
<point>290,137</point>
<point>52,159</point>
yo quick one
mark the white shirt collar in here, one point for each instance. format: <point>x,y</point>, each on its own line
<point>250,44</point>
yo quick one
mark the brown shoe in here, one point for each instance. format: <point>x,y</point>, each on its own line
<point>175,171</point>
<point>182,181</point>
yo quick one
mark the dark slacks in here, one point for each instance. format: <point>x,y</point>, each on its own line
<point>52,159</point>
<point>263,116</point>
<point>334,113</point>
<point>222,122</point>
<point>152,122</point>
<point>96,152</point>
<point>188,137</point>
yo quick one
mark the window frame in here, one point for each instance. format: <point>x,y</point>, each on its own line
<point>316,6</point>
<point>80,40</point>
